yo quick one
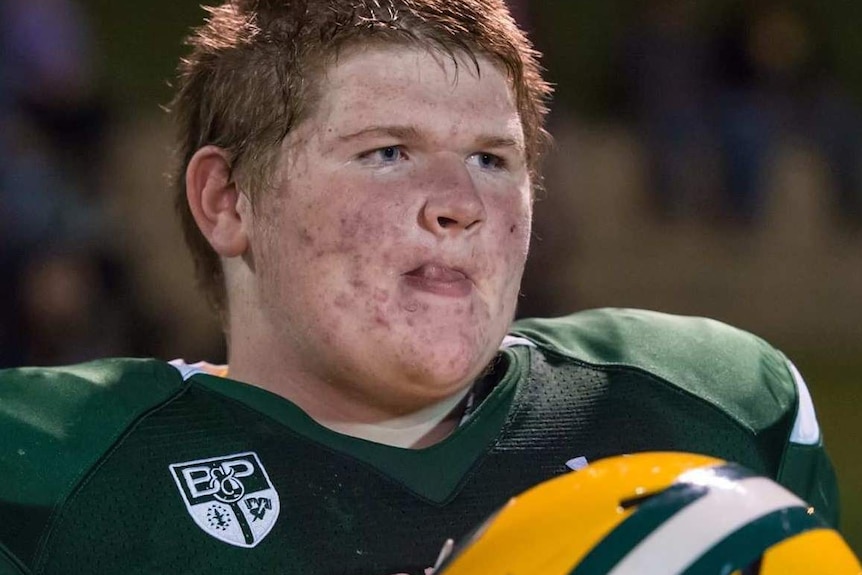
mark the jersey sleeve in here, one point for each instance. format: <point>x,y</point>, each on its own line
<point>734,371</point>
<point>805,467</point>
<point>55,425</point>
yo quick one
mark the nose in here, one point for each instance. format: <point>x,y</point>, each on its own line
<point>453,204</point>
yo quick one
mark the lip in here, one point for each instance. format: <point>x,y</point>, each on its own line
<point>439,279</point>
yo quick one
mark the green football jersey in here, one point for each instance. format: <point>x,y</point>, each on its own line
<point>139,466</point>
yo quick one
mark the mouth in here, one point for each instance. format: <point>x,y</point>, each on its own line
<point>439,279</point>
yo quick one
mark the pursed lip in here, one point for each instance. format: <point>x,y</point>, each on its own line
<point>440,279</point>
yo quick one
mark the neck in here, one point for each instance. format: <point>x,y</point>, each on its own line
<point>337,409</point>
<point>416,419</point>
<point>416,430</point>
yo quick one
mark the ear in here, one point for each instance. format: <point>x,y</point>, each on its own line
<point>216,203</point>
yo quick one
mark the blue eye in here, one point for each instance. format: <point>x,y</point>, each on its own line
<point>390,153</point>
<point>384,156</point>
<point>488,161</point>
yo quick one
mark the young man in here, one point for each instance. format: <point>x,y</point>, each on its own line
<point>356,183</point>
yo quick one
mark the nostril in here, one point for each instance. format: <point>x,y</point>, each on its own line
<point>445,222</point>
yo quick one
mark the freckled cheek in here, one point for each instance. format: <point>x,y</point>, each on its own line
<point>365,230</point>
<point>511,244</point>
<point>353,294</point>
<point>352,258</point>
<point>519,237</point>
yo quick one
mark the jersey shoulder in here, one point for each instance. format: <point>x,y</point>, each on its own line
<point>732,369</point>
<point>56,422</point>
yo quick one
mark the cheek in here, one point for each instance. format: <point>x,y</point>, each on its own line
<point>518,237</point>
<point>512,238</point>
<point>350,249</point>
<point>347,226</point>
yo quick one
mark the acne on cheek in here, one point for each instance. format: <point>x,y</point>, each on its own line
<point>361,234</point>
<point>311,239</point>
<point>361,296</point>
<point>510,249</point>
<point>461,310</point>
<point>413,306</point>
<point>330,328</point>
<point>361,293</point>
<point>380,295</point>
<point>349,227</point>
<point>374,307</point>
<point>328,339</point>
<point>305,236</point>
<point>356,236</point>
<point>518,231</point>
<point>358,284</point>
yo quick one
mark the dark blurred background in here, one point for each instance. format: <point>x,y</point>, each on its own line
<point>707,162</point>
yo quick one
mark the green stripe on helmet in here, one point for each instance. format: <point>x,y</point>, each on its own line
<point>748,543</point>
<point>651,513</point>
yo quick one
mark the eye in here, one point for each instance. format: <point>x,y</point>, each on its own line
<point>389,153</point>
<point>488,161</point>
<point>385,155</point>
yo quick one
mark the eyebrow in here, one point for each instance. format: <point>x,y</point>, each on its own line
<point>497,142</point>
<point>412,133</point>
<point>400,132</point>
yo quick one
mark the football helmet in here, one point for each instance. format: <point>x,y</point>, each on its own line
<point>654,514</point>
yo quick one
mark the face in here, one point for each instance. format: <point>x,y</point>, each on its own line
<point>389,258</point>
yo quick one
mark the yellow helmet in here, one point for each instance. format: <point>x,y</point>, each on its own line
<point>655,514</point>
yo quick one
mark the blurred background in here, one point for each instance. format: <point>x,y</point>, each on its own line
<point>707,162</point>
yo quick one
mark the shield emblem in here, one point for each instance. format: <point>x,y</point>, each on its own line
<point>230,497</point>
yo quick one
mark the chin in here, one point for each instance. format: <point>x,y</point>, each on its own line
<point>449,369</point>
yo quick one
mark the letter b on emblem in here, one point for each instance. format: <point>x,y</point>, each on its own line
<point>230,497</point>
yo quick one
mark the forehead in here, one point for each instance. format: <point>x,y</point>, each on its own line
<point>395,84</point>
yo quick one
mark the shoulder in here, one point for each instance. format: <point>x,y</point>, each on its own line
<point>732,369</point>
<point>647,338</point>
<point>109,388</point>
<point>56,422</point>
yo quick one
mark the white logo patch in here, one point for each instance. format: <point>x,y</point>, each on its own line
<point>230,497</point>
